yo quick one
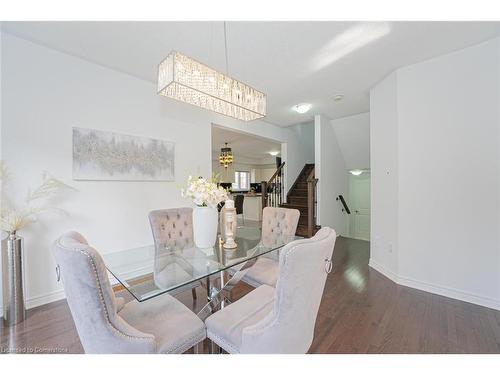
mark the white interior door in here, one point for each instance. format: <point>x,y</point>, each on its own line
<point>359,204</point>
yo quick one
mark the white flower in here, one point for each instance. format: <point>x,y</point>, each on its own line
<point>203,192</point>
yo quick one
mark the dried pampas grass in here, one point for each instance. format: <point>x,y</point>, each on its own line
<point>14,218</point>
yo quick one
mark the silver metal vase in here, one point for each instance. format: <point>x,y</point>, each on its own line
<point>12,280</point>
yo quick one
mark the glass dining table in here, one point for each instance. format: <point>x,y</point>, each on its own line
<point>150,271</point>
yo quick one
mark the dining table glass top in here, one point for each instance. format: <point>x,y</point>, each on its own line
<point>152,270</point>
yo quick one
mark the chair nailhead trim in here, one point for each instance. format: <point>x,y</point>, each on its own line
<point>101,297</point>
<point>217,339</point>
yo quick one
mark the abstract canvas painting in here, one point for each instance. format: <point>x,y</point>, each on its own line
<point>101,155</point>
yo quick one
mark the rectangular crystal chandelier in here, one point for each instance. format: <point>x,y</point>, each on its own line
<point>182,78</point>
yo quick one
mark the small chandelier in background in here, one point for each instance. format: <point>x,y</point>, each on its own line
<point>225,157</point>
<point>183,78</point>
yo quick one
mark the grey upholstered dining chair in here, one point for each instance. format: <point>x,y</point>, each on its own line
<point>281,319</point>
<point>172,227</point>
<point>277,223</point>
<point>107,324</point>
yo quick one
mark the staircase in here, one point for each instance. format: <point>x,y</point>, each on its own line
<point>302,196</point>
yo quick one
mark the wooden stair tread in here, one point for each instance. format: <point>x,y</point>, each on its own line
<point>297,199</point>
<point>302,230</point>
<point>294,205</point>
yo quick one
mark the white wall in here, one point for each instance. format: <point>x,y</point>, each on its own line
<point>353,136</point>
<point>331,173</point>
<point>1,182</point>
<point>448,178</point>
<point>384,175</point>
<point>264,174</point>
<point>449,171</point>
<point>297,151</point>
<point>44,94</point>
<point>305,133</point>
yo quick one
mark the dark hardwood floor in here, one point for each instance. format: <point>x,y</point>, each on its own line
<point>361,312</point>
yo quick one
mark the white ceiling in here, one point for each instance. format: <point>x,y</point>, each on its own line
<point>244,145</point>
<point>292,62</point>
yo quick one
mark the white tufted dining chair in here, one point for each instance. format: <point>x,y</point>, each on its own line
<point>172,228</point>
<point>281,319</point>
<point>107,324</point>
<point>277,223</point>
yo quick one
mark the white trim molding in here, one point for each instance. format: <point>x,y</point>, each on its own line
<point>383,270</point>
<point>41,300</point>
<point>450,292</point>
<point>436,289</point>
<point>51,297</point>
<point>45,298</point>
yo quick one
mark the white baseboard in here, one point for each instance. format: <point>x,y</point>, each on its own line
<point>53,296</point>
<point>41,299</point>
<point>405,281</point>
<point>45,298</point>
<point>357,238</point>
<point>436,289</point>
<point>383,270</point>
<point>450,293</point>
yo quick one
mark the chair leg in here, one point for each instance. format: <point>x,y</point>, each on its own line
<point>214,348</point>
<point>193,292</point>
<point>198,348</point>
<point>208,289</point>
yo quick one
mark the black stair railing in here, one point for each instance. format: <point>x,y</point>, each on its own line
<point>344,203</point>
<point>273,190</point>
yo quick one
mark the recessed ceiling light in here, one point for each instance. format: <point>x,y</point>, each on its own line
<point>338,98</point>
<point>274,153</point>
<point>356,172</point>
<point>302,108</point>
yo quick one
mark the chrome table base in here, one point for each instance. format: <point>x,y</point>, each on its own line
<point>217,298</point>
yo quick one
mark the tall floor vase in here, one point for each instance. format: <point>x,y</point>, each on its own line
<point>12,280</point>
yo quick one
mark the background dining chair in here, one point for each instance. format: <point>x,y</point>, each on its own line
<point>278,224</point>
<point>238,204</point>
<point>107,324</point>
<point>172,228</point>
<point>281,319</point>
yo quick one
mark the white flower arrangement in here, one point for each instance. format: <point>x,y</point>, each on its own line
<point>203,192</point>
<point>15,218</point>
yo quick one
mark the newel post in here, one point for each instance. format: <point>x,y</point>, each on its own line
<point>310,208</point>
<point>264,193</point>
